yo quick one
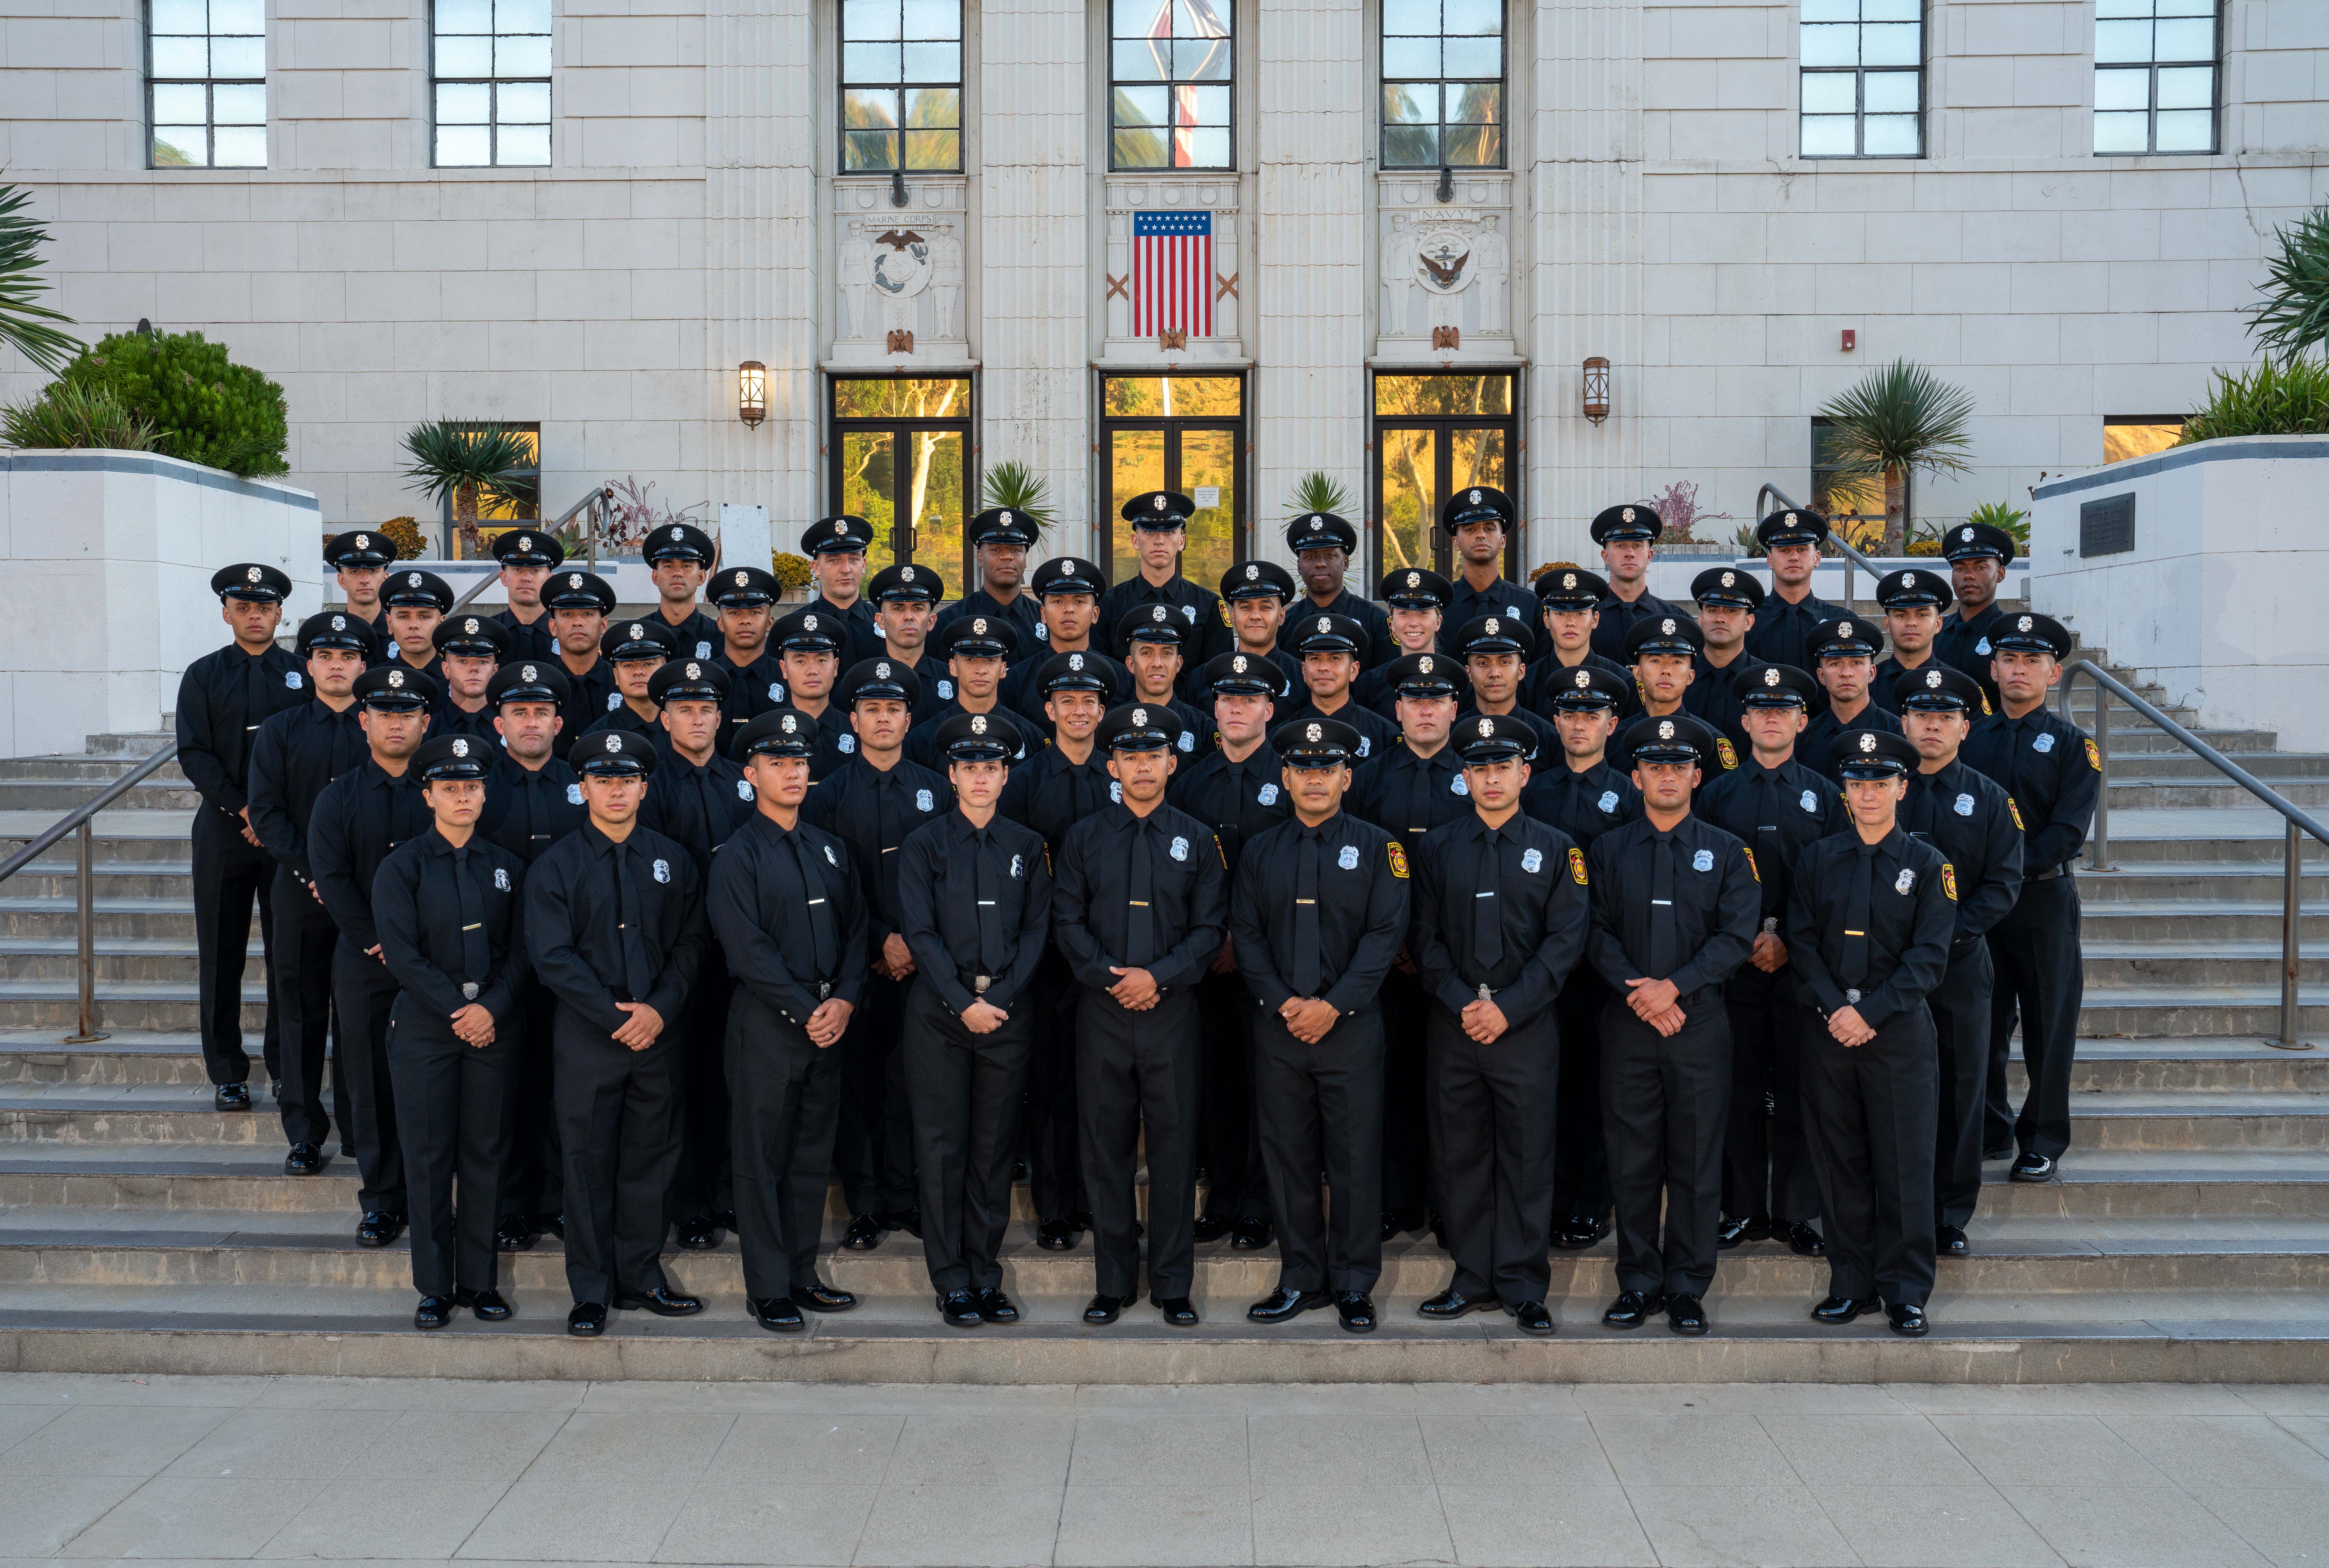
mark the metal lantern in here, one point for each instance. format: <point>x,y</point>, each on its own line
<point>1597,389</point>
<point>751,391</point>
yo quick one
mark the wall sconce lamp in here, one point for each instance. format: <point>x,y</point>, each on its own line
<point>1597,389</point>
<point>752,392</point>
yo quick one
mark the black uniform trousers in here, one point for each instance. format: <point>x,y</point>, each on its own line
<point>1139,1072</point>
<point>1664,1105</point>
<point>706,1181</point>
<point>873,1145</point>
<point>535,1184</point>
<point>229,873</point>
<point>301,961</point>
<point>784,1097</point>
<point>1320,1107</point>
<point>618,1120</point>
<point>1227,1145</point>
<point>1580,1157</point>
<point>453,1109</point>
<point>2041,974</point>
<point>966,1091</point>
<point>1870,1129</point>
<point>1408,1180</point>
<point>1055,1181</point>
<point>1493,1125</point>
<point>362,993</point>
<point>1765,1172</point>
<point>1960,1006</point>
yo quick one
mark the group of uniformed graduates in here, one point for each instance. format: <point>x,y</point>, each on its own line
<point>1519,914</point>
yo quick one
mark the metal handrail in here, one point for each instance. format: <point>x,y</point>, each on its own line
<point>600,497</point>
<point>1835,541</point>
<point>79,820</point>
<point>2297,820</point>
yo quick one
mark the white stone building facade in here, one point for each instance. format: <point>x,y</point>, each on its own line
<point>1647,198</point>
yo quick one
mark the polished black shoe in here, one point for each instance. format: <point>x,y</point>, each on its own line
<point>2032,1167</point>
<point>1452,1303</point>
<point>1057,1235</point>
<point>1685,1315</point>
<point>1580,1231</point>
<point>488,1305</point>
<point>1908,1321</point>
<point>960,1309</point>
<point>1949,1242</point>
<point>1744,1228</point>
<point>1532,1317</point>
<point>1356,1309</point>
<point>1177,1312</point>
<point>378,1229</point>
<point>697,1233</point>
<point>907,1220</point>
<point>864,1234</point>
<point>1209,1229</point>
<point>1104,1309</point>
<point>995,1307</point>
<point>1250,1236</point>
<point>1804,1241</point>
<point>819,1297</point>
<point>433,1312</point>
<point>1632,1309</point>
<point>588,1320</point>
<point>1838,1310</point>
<point>514,1234</point>
<point>552,1224</point>
<point>1286,1302</point>
<point>662,1301</point>
<point>304,1160</point>
<point>776,1313</point>
<point>230,1097</point>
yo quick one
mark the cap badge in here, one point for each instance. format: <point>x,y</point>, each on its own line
<point>1476,497</point>
<point>470,625</point>
<point>525,672</point>
<point>1667,628</point>
<point>905,575</point>
<point>2024,624</point>
<point>1933,680</point>
<point>808,623</point>
<point>1005,519</point>
<point>525,541</point>
<point>396,679</point>
<point>790,724</point>
<point>339,623</point>
<point>694,671</point>
<point>364,541</point>
<point>1492,626</point>
<point>614,742</point>
<point>1487,728</point>
<point>1140,716</point>
<point>573,579</point>
<point>1075,661</point>
<point>251,576</point>
<point>1628,514</point>
<point>1157,614</point>
<point>979,626</point>
<point>1665,729</point>
<point>1237,664</point>
<point>978,723</point>
<point>1253,572</point>
<point>1423,665</point>
<point>1326,625</point>
<point>1867,740</point>
<point>460,747</point>
<point>1730,580</point>
<point>1789,519</point>
<point>1311,732</point>
<point>1771,676</point>
<point>1584,678</point>
<point>1415,580</point>
<point>675,533</point>
<point>741,580</point>
<point>1967,536</point>
<point>638,631</point>
<point>1157,504</point>
<point>882,669</point>
<point>412,579</point>
<point>1906,579</point>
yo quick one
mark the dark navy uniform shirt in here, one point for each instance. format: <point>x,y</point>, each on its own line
<point>1715,904</point>
<point>1969,818</point>
<point>1358,875</point>
<point>974,901</point>
<point>1235,800</point>
<point>295,755</point>
<point>1899,950</point>
<point>609,923</point>
<point>361,818</point>
<point>1583,804</point>
<point>1523,885</point>
<point>1181,911</point>
<point>423,899</point>
<point>223,698</point>
<point>1776,812</point>
<point>2052,771</point>
<point>875,811</point>
<point>770,891</point>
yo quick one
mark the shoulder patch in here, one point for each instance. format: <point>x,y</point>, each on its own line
<point>1398,859</point>
<point>1949,881</point>
<point>2093,758</point>
<point>1727,752</point>
<point>1752,868</point>
<point>1577,866</point>
<point>2016,810</point>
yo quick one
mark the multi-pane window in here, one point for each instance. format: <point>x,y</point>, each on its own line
<point>900,85</point>
<point>492,77</point>
<point>1169,74</point>
<point>1443,83</point>
<point>2155,76</point>
<point>206,80</point>
<point>1862,79</point>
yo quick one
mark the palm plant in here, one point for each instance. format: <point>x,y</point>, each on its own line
<point>22,322</point>
<point>2293,315</point>
<point>69,414</point>
<point>1015,486</point>
<point>1317,491</point>
<point>471,463</point>
<point>2265,399</point>
<point>1896,421</point>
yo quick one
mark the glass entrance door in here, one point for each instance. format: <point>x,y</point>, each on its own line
<point>898,457</point>
<point>1436,435</point>
<point>1184,433</point>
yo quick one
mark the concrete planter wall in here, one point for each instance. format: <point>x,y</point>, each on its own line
<point>107,595</point>
<point>2211,584</point>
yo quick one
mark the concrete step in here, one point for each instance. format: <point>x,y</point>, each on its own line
<point>56,796</point>
<point>2225,886</point>
<point>115,960</point>
<point>2170,921</point>
<point>2272,766</point>
<point>132,743</point>
<point>144,1006</point>
<point>99,771</point>
<point>2183,1011</point>
<point>2134,795</point>
<point>2201,961</point>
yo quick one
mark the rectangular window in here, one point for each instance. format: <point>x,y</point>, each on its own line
<point>206,84</point>
<point>1443,83</point>
<point>492,83</point>
<point>900,85</point>
<point>1853,504</point>
<point>899,456</point>
<point>2155,76</point>
<point>1435,435</point>
<point>1862,77</point>
<point>2128,435</point>
<point>1170,69</point>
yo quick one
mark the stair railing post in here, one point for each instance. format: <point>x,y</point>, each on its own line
<point>85,898</point>
<point>2291,904</point>
<point>2101,847</point>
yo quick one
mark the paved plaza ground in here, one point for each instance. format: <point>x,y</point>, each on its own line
<point>98,1468</point>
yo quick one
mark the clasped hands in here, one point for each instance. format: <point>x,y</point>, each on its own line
<point>1654,1003</point>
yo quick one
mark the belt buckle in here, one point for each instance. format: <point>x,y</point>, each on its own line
<point>980,982</point>
<point>1853,997</point>
<point>824,989</point>
<point>468,990</point>
<point>1486,994</point>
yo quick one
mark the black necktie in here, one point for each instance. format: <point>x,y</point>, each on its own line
<point>990,925</point>
<point>254,706</point>
<point>1858,884</point>
<point>477,953</point>
<point>1487,920</point>
<point>827,949</point>
<point>1140,917</point>
<point>1304,970</point>
<point>1665,955</point>
<point>630,911</point>
<point>887,835</point>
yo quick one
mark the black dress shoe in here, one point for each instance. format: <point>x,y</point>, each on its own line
<point>1286,1302</point>
<point>1804,1241</point>
<point>2032,1167</point>
<point>1104,1309</point>
<point>1838,1310</point>
<point>230,1097</point>
<point>1580,1231</point>
<point>588,1320</point>
<point>1209,1229</point>
<point>1908,1321</point>
<point>1729,1232</point>
<point>487,1304</point>
<point>776,1313</point>
<point>995,1307</point>
<point>378,1229</point>
<point>433,1312</point>
<point>1532,1317</point>
<point>514,1234</point>
<point>1452,1303</point>
<point>1177,1312</point>
<point>1949,1242</point>
<point>864,1234</point>
<point>907,1220</point>
<point>1057,1235</point>
<point>1250,1236</point>
<point>960,1309</point>
<point>552,1224</point>
<point>1685,1315</point>
<point>817,1296</point>
<point>1356,1309</point>
<point>662,1301</point>
<point>1632,1309</point>
<point>697,1233</point>
<point>304,1160</point>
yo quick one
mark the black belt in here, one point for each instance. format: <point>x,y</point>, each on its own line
<point>2049,874</point>
<point>1704,993</point>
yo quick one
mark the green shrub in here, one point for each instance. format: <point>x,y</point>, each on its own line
<point>65,415</point>
<point>2269,399</point>
<point>203,407</point>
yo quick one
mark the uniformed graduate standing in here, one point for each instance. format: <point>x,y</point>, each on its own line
<point>1869,921</point>
<point>1977,555</point>
<point>415,601</point>
<point>906,600</point>
<point>1318,913</point>
<point>679,557</point>
<point>1845,651</point>
<point>580,603</point>
<point>1727,600</point>
<point>1257,594</point>
<point>1155,639</point>
<point>1629,537</point>
<point>1914,600</point>
<point>361,559</point>
<point>1478,522</point>
<point>999,540</point>
<point>1791,611</point>
<point>1494,651</point>
<point>2054,774</point>
<point>975,904</point>
<point>1776,806</point>
<point>836,547</point>
<point>1500,920</point>
<point>1068,589</point>
<point>223,698</point>
<point>1237,791</point>
<point>452,934</point>
<point>808,655</point>
<point>1970,820</point>
<point>527,557</point>
<point>295,755</point>
<point>360,818</point>
<point>631,651</point>
<point>1568,615</point>
<point>871,803</point>
<point>614,928</point>
<point>977,651</point>
<point>1667,652</point>
<point>1140,906</point>
<point>1675,903</point>
<point>789,914</point>
<point>1159,523</point>
<point>469,650</point>
<point>1417,601</point>
<point>746,599</point>
<point>1322,544</point>
<point>1329,647</point>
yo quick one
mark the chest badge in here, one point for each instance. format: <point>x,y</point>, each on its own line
<point>830,859</point>
<point>1268,796</point>
<point>1189,613</point>
<point>294,679</point>
<point>1609,802</point>
<point>2043,743</point>
<point>1457,786</point>
<point>923,802</point>
<point>614,701</point>
<point>1810,803</point>
<point>776,691</point>
<point>1349,859</point>
<point>704,651</point>
<point>1017,865</point>
<point>1188,741</point>
<point>1363,744</point>
<point>743,788</point>
<point>1702,861</point>
<point>847,743</point>
<point>574,794</point>
<point>1180,850</point>
<point>663,871</point>
<point>1906,880</point>
<point>946,690</point>
<point>1982,647</point>
<point>1531,861</point>
<point>501,879</point>
<point>1965,806</point>
<point>1115,792</point>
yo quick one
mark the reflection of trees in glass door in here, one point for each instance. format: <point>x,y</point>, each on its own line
<point>1436,435</point>
<point>899,459</point>
<point>1184,433</point>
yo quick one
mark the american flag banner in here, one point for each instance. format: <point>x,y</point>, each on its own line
<point>1171,273</point>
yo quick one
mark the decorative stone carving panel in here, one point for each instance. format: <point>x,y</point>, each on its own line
<point>899,273</point>
<point>1444,271</point>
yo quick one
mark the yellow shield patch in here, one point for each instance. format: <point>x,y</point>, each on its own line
<point>2010,806</point>
<point>1751,866</point>
<point>2093,758</point>
<point>1577,866</point>
<point>1949,881</point>
<point>1397,861</point>
<point>1727,751</point>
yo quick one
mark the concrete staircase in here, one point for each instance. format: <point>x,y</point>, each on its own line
<point>2188,1238</point>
